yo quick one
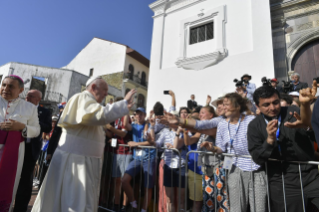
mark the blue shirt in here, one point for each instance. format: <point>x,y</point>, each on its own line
<point>193,160</point>
<point>138,136</point>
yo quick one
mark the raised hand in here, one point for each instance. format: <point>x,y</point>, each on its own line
<point>169,118</point>
<point>130,98</point>
<point>241,92</point>
<point>306,95</point>
<point>171,93</point>
<point>296,124</point>
<point>152,121</point>
<point>208,100</point>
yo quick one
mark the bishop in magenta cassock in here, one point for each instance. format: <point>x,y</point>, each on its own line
<point>72,182</point>
<point>18,120</point>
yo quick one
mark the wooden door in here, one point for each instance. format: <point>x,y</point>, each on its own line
<point>306,62</point>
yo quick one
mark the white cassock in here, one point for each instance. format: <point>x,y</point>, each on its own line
<point>26,113</point>
<point>72,182</point>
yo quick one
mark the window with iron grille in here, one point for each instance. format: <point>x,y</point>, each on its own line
<point>201,33</point>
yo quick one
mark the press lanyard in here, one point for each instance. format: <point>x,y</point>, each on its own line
<point>231,140</point>
<point>277,132</point>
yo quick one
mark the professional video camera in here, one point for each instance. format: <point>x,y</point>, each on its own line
<point>265,81</point>
<point>238,83</point>
<point>287,86</point>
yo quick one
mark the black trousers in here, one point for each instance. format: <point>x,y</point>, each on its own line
<point>24,192</point>
<point>310,181</point>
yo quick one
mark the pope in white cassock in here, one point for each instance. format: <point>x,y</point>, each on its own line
<point>72,182</point>
<point>18,120</point>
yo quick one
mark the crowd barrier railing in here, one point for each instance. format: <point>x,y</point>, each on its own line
<point>218,160</point>
<point>108,188</point>
<point>107,201</point>
<point>40,170</point>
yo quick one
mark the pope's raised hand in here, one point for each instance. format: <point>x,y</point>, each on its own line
<point>130,98</point>
<point>306,95</point>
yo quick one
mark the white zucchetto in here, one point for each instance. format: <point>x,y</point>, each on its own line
<point>90,80</point>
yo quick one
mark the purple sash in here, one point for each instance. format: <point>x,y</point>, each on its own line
<point>8,166</point>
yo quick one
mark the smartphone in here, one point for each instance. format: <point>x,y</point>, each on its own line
<point>166,92</point>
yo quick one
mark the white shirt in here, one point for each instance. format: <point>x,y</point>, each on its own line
<point>21,111</point>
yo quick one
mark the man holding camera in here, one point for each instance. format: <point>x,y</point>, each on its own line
<point>279,133</point>
<point>250,87</point>
<point>297,85</point>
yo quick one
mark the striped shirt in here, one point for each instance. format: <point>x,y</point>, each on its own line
<point>171,158</point>
<point>208,124</point>
<point>240,143</point>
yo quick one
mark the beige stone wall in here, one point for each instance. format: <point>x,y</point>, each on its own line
<point>294,23</point>
<point>115,80</point>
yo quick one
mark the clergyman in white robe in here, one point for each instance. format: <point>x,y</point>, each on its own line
<point>26,113</point>
<point>72,182</point>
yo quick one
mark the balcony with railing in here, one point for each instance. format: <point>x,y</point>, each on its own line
<point>136,79</point>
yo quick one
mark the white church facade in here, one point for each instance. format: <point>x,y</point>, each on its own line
<point>200,46</point>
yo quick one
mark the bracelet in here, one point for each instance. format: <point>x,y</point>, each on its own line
<point>177,135</point>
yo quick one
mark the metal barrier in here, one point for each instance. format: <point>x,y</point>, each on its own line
<point>252,177</point>
<point>41,169</point>
<point>107,202</point>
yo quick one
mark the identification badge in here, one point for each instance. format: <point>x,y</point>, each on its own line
<point>228,161</point>
<point>139,152</point>
<point>114,142</point>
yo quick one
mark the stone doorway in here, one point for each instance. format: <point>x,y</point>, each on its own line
<point>306,62</point>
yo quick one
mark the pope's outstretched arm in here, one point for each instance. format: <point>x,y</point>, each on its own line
<point>85,110</point>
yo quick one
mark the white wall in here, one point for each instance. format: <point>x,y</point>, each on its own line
<point>58,80</point>
<point>103,56</point>
<point>4,71</point>
<point>247,39</point>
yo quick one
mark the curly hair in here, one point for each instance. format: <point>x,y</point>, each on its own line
<point>237,101</point>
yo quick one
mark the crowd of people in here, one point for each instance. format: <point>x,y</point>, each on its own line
<point>233,154</point>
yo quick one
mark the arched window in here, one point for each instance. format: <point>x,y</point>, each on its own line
<point>131,71</point>
<point>140,100</point>
<point>143,79</point>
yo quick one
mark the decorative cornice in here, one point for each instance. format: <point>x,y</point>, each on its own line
<point>200,62</point>
<point>279,4</point>
<point>305,38</point>
<point>162,7</point>
<point>295,11</point>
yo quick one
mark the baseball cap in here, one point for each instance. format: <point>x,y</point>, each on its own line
<point>274,80</point>
<point>140,109</point>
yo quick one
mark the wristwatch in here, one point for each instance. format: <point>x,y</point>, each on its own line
<point>25,131</point>
<point>176,134</point>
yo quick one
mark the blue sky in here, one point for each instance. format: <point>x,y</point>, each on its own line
<point>52,32</point>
